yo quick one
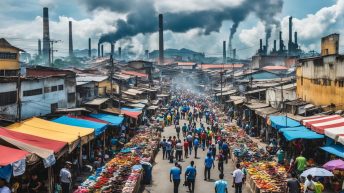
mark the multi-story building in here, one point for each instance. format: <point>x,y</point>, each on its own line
<point>320,80</point>
<point>9,59</point>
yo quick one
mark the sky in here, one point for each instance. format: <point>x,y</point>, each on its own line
<point>200,25</point>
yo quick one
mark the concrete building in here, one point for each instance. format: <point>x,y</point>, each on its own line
<point>9,58</point>
<point>275,95</point>
<point>42,91</point>
<point>320,80</point>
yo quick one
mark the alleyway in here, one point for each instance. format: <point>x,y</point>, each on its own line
<point>162,168</point>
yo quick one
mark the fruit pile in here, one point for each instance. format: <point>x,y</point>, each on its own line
<point>268,176</point>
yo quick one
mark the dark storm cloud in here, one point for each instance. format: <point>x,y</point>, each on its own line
<point>142,17</point>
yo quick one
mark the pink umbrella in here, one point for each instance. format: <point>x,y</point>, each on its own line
<point>334,164</point>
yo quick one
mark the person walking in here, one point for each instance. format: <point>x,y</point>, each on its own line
<point>66,177</point>
<point>238,177</point>
<point>309,185</point>
<point>184,129</point>
<point>196,144</point>
<point>293,185</point>
<point>163,147</point>
<point>190,176</point>
<point>301,163</point>
<point>175,173</point>
<point>208,163</point>
<point>318,186</point>
<point>221,186</point>
<point>225,150</point>
<point>168,148</point>
<point>186,148</point>
<point>179,151</point>
<point>203,138</point>
<point>178,130</point>
<point>189,138</point>
<point>220,159</point>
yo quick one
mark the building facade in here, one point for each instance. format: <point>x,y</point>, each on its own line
<point>9,59</point>
<point>320,80</point>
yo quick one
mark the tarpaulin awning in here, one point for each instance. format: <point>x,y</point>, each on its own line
<point>309,122</point>
<point>337,150</point>
<point>341,139</point>
<point>9,155</point>
<point>301,128</point>
<point>55,131</point>
<point>334,133</point>
<point>89,118</point>
<point>282,122</point>
<point>45,143</point>
<point>132,109</point>
<point>132,112</point>
<point>114,120</point>
<point>305,134</point>
<point>320,127</point>
<point>99,128</point>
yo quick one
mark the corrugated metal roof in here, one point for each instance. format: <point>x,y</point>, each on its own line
<point>90,78</point>
<point>97,101</point>
<point>275,68</point>
<point>134,73</point>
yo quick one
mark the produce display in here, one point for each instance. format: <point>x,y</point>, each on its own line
<point>122,173</point>
<point>267,176</point>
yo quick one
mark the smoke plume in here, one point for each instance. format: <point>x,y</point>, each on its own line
<point>142,17</point>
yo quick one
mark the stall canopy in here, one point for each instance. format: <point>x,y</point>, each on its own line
<point>54,131</point>
<point>89,119</point>
<point>337,150</point>
<point>23,139</point>
<point>282,122</point>
<point>99,128</point>
<point>335,133</point>
<point>132,112</point>
<point>10,155</point>
<point>300,128</point>
<point>114,120</point>
<point>321,124</point>
<point>304,134</point>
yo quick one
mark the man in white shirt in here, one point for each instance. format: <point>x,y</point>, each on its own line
<point>3,187</point>
<point>66,177</point>
<point>238,176</point>
<point>309,185</point>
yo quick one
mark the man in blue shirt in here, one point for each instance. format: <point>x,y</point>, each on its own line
<point>221,185</point>
<point>196,144</point>
<point>175,176</point>
<point>208,162</point>
<point>190,176</point>
<point>225,150</point>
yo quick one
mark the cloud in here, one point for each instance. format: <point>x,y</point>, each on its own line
<point>250,37</point>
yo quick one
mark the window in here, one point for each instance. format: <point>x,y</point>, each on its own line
<point>7,98</point>
<point>7,55</point>
<point>316,81</point>
<point>301,80</point>
<point>61,87</point>
<point>46,89</point>
<point>53,107</point>
<point>33,92</point>
<point>340,83</point>
<point>53,88</point>
<point>330,65</point>
<point>71,97</point>
<point>326,82</point>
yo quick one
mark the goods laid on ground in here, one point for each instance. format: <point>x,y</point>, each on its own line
<point>123,173</point>
<point>266,177</point>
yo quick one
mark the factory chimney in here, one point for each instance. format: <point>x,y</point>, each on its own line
<point>224,60</point>
<point>89,47</point>
<point>39,48</point>
<point>290,29</point>
<point>112,49</point>
<point>234,53</point>
<point>295,38</point>
<point>119,52</point>
<point>98,50</point>
<point>70,39</point>
<point>274,50</point>
<point>230,48</point>
<point>161,39</point>
<point>266,44</point>
<point>260,45</point>
<point>147,54</point>
<point>102,50</point>
<point>280,42</point>
<point>46,37</point>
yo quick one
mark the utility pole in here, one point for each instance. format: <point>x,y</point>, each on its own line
<point>51,60</point>
<point>111,76</point>
<point>18,118</point>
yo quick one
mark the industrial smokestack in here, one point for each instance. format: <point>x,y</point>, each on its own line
<point>102,50</point>
<point>161,39</point>
<point>119,52</point>
<point>290,29</point>
<point>147,54</point>
<point>234,53</point>
<point>89,47</point>
<point>295,38</point>
<point>274,46</point>
<point>230,47</point>
<point>266,44</point>
<point>260,45</point>
<point>112,49</point>
<point>98,50</point>
<point>46,37</point>
<point>224,52</point>
<point>280,42</point>
<point>39,47</point>
<point>70,39</point>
